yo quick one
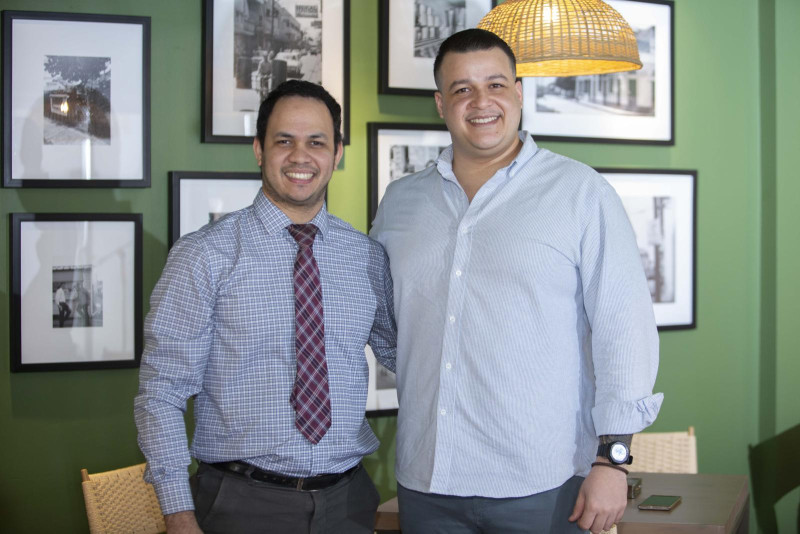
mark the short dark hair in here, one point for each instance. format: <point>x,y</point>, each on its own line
<point>306,90</point>
<point>472,40</point>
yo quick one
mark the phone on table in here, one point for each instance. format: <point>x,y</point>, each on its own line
<point>660,502</point>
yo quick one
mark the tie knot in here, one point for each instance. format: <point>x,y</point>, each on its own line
<point>303,234</point>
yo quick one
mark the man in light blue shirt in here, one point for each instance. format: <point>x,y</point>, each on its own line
<point>527,346</point>
<point>222,328</point>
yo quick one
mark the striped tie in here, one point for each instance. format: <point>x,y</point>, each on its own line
<point>310,397</point>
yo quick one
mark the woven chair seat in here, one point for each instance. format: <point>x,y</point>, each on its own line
<point>121,501</point>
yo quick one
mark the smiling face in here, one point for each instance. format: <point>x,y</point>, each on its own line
<point>481,103</point>
<point>298,156</point>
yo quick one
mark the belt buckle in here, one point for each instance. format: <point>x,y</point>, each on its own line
<point>300,484</point>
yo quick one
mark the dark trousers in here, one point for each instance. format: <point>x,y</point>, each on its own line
<point>542,513</point>
<point>228,502</point>
<point>63,313</point>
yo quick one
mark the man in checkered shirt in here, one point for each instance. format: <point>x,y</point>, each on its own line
<point>221,329</point>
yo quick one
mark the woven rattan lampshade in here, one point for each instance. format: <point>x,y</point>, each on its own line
<point>564,37</point>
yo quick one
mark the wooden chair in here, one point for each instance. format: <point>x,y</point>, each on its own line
<point>665,452</point>
<point>121,501</point>
<point>774,472</point>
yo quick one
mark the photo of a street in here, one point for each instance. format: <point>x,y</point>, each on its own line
<point>408,159</point>
<point>274,40</point>
<point>77,100</point>
<point>624,93</point>
<point>653,221</point>
<point>435,21</point>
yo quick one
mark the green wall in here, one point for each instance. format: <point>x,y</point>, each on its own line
<point>787,218</point>
<point>724,377</point>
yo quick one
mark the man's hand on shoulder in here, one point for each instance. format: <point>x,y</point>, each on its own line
<point>601,499</point>
<point>182,523</point>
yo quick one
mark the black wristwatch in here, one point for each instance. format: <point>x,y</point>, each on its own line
<point>616,452</point>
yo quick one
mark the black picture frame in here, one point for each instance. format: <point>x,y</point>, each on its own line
<point>222,126</point>
<point>631,108</point>
<point>189,190</point>
<point>400,70</point>
<point>379,175</point>
<point>95,260</point>
<point>61,127</point>
<point>670,197</point>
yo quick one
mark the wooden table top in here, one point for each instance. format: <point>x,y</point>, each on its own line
<point>709,503</point>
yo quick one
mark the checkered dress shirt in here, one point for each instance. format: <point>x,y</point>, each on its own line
<point>221,328</point>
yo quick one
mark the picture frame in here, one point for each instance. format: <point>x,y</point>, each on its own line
<point>198,198</point>
<point>636,107</point>
<point>76,291</point>
<point>382,389</point>
<point>241,62</point>
<point>662,208</point>
<point>410,35</point>
<point>76,100</point>
<point>389,157</point>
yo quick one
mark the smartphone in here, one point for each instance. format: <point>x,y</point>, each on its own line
<point>660,502</point>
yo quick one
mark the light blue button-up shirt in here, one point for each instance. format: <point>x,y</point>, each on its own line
<point>525,325</point>
<point>221,327</point>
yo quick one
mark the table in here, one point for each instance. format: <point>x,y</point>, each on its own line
<point>710,504</point>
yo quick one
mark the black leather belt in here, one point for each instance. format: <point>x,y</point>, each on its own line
<point>308,484</point>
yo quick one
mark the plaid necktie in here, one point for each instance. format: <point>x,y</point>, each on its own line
<point>310,397</point>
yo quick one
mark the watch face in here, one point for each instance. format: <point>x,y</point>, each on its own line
<point>619,453</point>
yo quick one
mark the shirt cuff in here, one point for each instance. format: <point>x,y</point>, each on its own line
<point>626,417</point>
<point>174,496</point>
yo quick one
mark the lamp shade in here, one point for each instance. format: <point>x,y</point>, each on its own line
<point>564,37</point>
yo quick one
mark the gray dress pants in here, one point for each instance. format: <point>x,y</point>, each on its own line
<point>542,513</point>
<point>228,502</point>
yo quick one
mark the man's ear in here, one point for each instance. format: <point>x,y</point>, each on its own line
<point>438,97</point>
<point>257,151</point>
<point>339,154</point>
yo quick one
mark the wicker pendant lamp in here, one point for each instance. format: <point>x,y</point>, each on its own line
<point>564,37</point>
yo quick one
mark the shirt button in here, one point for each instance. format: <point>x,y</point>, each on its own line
<point>458,272</point>
<point>448,366</point>
<point>452,318</point>
<point>465,230</point>
<point>443,412</point>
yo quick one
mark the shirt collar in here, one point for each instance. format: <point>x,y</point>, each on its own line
<point>275,221</point>
<point>444,163</point>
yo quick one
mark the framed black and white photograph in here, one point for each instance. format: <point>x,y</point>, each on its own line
<point>200,198</point>
<point>76,100</point>
<point>396,150</point>
<point>410,35</point>
<point>625,107</point>
<point>76,291</point>
<point>251,46</point>
<point>662,208</point>
<point>382,392</point>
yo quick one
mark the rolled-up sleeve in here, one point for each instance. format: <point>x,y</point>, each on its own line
<point>178,333</point>
<point>620,312</point>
